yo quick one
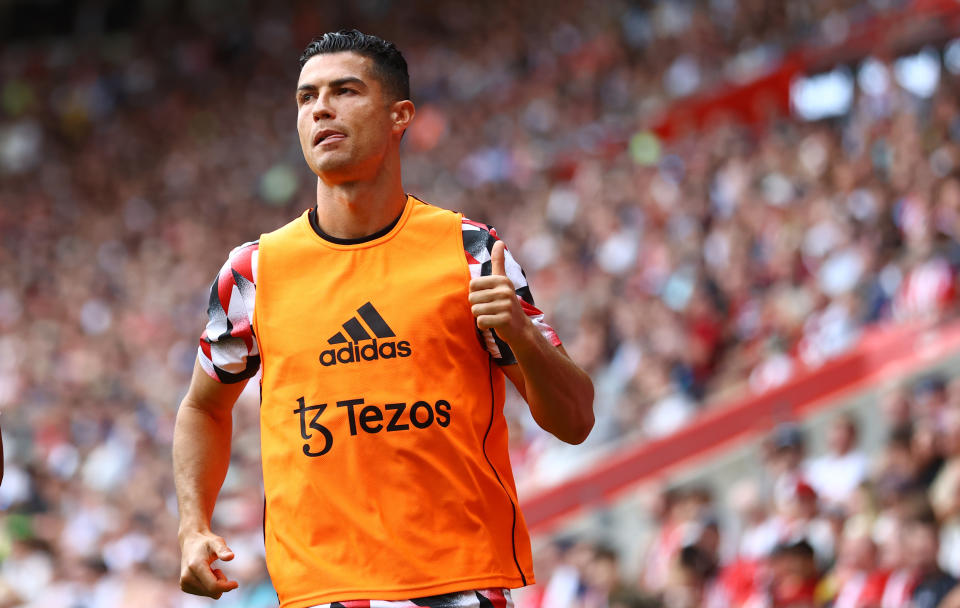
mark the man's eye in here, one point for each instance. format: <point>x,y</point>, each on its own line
<point>347,91</point>
<point>305,97</point>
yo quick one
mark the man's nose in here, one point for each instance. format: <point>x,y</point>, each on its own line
<point>322,109</point>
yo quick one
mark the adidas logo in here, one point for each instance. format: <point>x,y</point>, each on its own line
<point>353,352</point>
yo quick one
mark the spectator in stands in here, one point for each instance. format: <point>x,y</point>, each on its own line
<point>797,517</point>
<point>930,585</point>
<point>567,583</point>
<point>601,578</point>
<point>848,584</point>
<point>791,578</point>
<point>894,578</point>
<point>688,520</point>
<point>897,469</point>
<point>785,461</point>
<point>926,449</point>
<point>691,579</point>
<point>930,398</point>
<point>666,544</point>
<point>945,494</point>
<point>836,474</point>
<point>752,512</point>
<point>896,407</point>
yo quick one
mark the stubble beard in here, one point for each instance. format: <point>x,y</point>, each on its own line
<point>332,160</point>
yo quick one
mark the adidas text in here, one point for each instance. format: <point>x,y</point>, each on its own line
<point>352,353</point>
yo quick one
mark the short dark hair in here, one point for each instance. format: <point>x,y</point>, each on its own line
<point>388,61</point>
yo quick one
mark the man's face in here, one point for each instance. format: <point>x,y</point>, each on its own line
<point>841,437</point>
<point>343,117</point>
<point>921,545</point>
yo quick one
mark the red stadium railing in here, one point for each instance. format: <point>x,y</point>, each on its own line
<point>882,353</point>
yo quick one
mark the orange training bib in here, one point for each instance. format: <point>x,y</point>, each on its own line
<point>384,444</point>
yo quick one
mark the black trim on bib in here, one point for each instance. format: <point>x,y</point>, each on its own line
<point>312,215</point>
<point>513,507</point>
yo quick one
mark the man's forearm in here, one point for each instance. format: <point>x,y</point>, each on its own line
<point>559,393</point>
<point>201,455</point>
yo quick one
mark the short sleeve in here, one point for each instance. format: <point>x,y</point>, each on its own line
<point>478,241</point>
<point>228,349</point>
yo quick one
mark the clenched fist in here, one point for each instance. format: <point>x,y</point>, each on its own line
<point>494,301</point>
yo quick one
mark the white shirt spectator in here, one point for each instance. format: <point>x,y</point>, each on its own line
<point>835,477</point>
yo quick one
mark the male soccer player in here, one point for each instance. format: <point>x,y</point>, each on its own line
<point>384,327</point>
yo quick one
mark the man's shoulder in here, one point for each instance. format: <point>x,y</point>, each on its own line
<point>242,262</point>
<point>427,209</point>
<point>477,237</point>
<point>244,250</point>
<point>292,225</point>
<point>469,225</point>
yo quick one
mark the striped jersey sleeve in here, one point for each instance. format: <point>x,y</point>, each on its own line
<point>478,241</point>
<point>228,349</point>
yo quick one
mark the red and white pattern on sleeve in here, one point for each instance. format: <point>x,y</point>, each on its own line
<point>228,349</point>
<point>478,240</point>
<point>483,598</point>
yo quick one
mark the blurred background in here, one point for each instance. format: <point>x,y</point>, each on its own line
<point>741,216</point>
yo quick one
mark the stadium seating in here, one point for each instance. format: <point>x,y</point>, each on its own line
<point>688,255</point>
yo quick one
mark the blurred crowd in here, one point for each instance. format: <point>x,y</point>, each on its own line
<point>843,529</point>
<point>134,157</point>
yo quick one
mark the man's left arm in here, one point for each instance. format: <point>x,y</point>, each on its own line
<point>559,393</point>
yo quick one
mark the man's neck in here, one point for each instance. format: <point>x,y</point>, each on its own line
<point>353,210</point>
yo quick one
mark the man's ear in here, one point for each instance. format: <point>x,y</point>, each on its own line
<point>402,113</point>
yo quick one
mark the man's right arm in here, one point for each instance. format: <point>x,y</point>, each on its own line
<point>201,455</point>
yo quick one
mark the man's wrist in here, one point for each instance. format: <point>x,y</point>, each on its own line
<point>190,527</point>
<point>522,337</point>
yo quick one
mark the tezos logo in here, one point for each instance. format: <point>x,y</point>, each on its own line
<point>352,352</point>
<point>368,419</point>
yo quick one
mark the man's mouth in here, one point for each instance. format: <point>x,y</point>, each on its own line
<point>327,136</point>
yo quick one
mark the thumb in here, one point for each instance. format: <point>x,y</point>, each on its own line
<point>223,551</point>
<point>497,259</point>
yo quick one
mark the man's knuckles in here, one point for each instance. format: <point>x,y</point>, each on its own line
<point>194,587</point>
<point>493,321</point>
<point>504,292</point>
<point>190,584</point>
<point>491,308</point>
